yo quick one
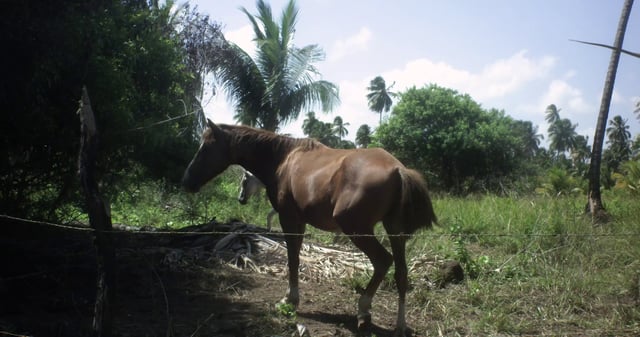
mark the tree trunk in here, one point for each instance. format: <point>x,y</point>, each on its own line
<point>100,219</point>
<point>594,199</point>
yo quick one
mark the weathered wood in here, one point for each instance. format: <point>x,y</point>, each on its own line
<point>99,218</point>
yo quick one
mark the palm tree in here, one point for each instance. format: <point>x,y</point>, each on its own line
<point>552,114</point>
<point>562,135</point>
<point>272,88</point>
<point>594,198</point>
<point>580,151</point>
<point>363,136</point>
<point>340,127</point>
<point>619,140</point>
<point>530,137</point>
<point>379,96</point>
<point>310,123</point>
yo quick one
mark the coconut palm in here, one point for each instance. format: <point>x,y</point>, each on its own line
<point>310,123</point>
<point>619,139</point>
<point>552,114</point>
<point>594,198</point>
<point>380,96</point>
<point>363,136</point>
<point>530,137</point>
<point>272,88</point>
<point>340,127</point>
<point>562,136</point>
<point>580,151</point>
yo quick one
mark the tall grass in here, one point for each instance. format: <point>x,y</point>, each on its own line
<point>539,267</point>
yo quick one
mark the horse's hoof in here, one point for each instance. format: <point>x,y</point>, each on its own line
<point>364,325</point>
<point>402,333</point>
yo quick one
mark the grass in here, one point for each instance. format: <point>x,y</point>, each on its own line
<point>542,268</point>
<point>535,265</point>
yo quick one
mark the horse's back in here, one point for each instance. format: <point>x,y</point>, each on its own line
<point>333,188</point>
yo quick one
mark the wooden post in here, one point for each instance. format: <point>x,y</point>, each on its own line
<point>100,219</point>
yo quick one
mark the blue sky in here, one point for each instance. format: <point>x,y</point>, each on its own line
<point>511,55</point>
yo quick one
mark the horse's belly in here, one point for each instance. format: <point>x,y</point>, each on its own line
<point>322,219</point>
<point>329,226</point>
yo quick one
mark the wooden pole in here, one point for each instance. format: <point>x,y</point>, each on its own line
<point>99,218</point>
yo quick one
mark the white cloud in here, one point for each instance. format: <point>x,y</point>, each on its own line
<point>350,45</point>
<point>616,97</point>
<point>567,98</point>
<point>243,37</point>
<point>495,80</point>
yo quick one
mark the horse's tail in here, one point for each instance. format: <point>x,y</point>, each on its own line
<point>415,208</point>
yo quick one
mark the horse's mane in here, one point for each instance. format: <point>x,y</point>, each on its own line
<point>252,136</point>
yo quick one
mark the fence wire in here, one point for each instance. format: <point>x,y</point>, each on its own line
<point>425,234</point>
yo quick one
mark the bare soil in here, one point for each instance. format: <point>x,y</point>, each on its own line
<point>167,286</point>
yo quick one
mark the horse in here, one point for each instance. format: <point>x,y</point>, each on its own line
<point>331,189</point>
<point>250,186</point>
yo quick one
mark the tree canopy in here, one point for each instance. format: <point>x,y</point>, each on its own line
<point>458,144</point>
<point>272,88</point>
<point>137,70</point>
<point>380,97</point>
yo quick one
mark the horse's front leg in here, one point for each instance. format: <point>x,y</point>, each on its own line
<point>293,237</point>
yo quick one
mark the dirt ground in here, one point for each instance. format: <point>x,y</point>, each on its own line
<point>171,286</point>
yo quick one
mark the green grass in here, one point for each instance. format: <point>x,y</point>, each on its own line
<point>537,264</point>
<point>541,268</point>
<point>161,206</point>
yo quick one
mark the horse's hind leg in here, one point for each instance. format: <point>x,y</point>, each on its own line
<point>398,249</point>
<point>381,261</point>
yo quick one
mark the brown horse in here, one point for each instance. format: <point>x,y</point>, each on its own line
<point>331,189</point>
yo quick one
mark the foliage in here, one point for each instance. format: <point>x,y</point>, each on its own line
<point>558,181</point>
<point>530,138</point>
<point>473,266</point>
<point>272,88</point>
<point>619,141</point>
<point>287,310</point>
<point>579,278</point>
<point>458,145</point>
<point>329,134</point>
<point>562,133</point>
<point>629,177</point>
<point>131,60</point>
<point>380,97</point>
<point>363,136</point>
<point>339,127</point>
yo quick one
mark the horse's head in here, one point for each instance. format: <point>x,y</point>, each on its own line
<point>212,158</point>
<point>249,186</point>
<point>242,194</point>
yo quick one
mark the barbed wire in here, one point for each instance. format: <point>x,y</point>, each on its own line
<point>427,234</point>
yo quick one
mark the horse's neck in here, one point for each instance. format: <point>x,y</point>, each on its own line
<point>262,156</point>
<point>262,152</point>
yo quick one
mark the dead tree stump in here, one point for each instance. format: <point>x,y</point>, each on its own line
<point>99,218</point>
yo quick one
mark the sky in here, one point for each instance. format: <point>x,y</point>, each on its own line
<point>514,56</point>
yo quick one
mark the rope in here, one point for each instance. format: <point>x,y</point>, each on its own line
<point>320,234</point>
